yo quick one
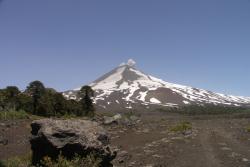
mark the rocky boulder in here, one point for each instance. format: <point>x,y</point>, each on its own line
<point>69,137</point>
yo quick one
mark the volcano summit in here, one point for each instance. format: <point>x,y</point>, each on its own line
<point>125,87</point>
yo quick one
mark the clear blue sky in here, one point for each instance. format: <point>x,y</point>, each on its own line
<point>68,43</point>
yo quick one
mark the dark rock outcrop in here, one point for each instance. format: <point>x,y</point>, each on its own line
<point>69,137</point>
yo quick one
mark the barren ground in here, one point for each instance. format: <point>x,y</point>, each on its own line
<point>214,141</point>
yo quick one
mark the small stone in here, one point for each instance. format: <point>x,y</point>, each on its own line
<point>145,131</point>
<point>222,144</point>
<point>131,164</point>
<point>165,140</point>
<point>148,151</point>
<point>187,132</point>
<point>156,156</point>
<point>2,124</point>
<point>177,138</point>
<point>234,155</point>
<point>245,160</point>
<point>226,149</point>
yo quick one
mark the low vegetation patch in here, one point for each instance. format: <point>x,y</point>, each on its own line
<point>181,127</point>
<point>248,129</point>
<point>22,161</point>
<point>131,114</point>
<point>13,115</point>
<point>25,161</point>
<point>89,161</point>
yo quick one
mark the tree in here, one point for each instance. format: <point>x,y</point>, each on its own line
<point>36,90</point>
<point>51,103</point>
<point>59,103</point>
<point>2,99</point>
<point>86,93</point>
<point>25,102</point>
<point>45,106</point>
<point>11,97</point>
<point>73,107</point>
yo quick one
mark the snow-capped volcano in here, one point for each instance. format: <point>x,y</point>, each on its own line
<point>127,87</point>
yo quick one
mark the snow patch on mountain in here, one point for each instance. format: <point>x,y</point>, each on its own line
<point>142,95</point>
<point>132,89</point>
<point>186,102</point>
<point>154,100</point>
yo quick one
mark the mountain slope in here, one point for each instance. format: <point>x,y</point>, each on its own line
<point>127,87</point>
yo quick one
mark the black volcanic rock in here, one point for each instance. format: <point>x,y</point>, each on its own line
<point>69,137</point>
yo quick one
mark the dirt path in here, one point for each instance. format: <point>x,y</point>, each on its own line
<point>205,135</point>
<point>212,143</point>
<point>221,145</point>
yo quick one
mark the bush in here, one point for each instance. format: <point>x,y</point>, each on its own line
<point>23,161</point>
<point>13,115</point>
<point>89,161</point>
<point>248,129</point>
<point>181,127</point>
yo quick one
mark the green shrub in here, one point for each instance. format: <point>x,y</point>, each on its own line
<point>22,161</point>
<point>25,161</point>
<point>130,114</point>
<point>89,161</point>
<point>181,127</point>
<point>248,129</point>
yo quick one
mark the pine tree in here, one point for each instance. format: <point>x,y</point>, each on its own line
<point>2,99</point>
<point>11,94</point>
<point>86,93</point>
<point>36,90</point>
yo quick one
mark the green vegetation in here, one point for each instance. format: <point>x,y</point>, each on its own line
<point>25,161</point>
<point>131,113</point>
<point>13,115</point>
<point>22,161</point>
<point>181,127</point>
<point>89,161</point>
<point>86,93</point>
<point>42,101</point>
<point>36,91</point>
<point>248,129</point>
<point>206,109</point>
